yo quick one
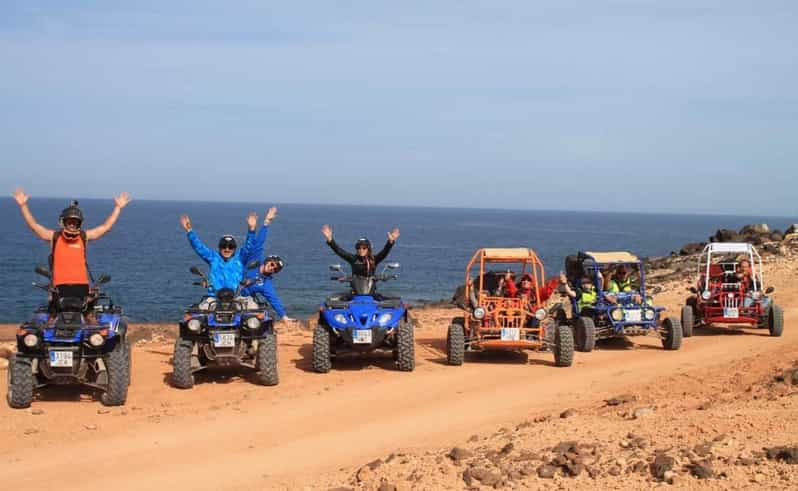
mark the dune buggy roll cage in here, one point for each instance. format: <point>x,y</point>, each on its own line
<point>593,262</point>
<point>731,248</point>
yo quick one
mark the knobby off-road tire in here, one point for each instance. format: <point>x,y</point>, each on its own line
<point>775,320</point>
<point>671,334</point>
<point>266,360</point>
<point>584,334</point>
<point>563,346</point>
<point>688,321</point>
<point>406,348</point>
<point>455,345</point>
<point>117,368</point>
<point>20,383</point>
<point>321,349</point>
<point>182,378</point>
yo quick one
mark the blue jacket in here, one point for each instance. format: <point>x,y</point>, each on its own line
<point>223,274</point>
<point>263,284</point>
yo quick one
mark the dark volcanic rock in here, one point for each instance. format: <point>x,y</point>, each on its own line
<point>692,248</point>
<point>662,464</point>
<point>755,229</point>
<point>702,470</point>
<point>725,235</point>
<point>568,413</point>
<point>788,455</point>
<point>457,454</point>
<point>485,476</point>
<point>621,399</point>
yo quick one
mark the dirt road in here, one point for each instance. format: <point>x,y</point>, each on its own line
<point>229,433</point>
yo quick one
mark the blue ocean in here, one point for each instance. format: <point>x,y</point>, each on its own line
<point>148,256</point>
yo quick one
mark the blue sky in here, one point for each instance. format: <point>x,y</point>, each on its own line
<point>676,106</point>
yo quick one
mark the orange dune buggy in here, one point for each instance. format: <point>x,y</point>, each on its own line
<point>493,321</point>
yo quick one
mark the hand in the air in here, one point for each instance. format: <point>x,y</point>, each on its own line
<point>20,197</point>
<point>327,232</point>
<point>185,221</point>
<point>393,235</point>
<point>270,215</point>
<point>252,220</point>
<point>122,200</point>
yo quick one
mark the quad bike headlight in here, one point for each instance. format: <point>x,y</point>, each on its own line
<point>649,315</point>
<point>617,315</point>
<point>340,318</point>
<point>96,339</point>
<point>30,340</point>
<point>194,325</point>
<point>479,313</point>
<point>253,323</point>
<point>705,295</point>
<point>540,314</point>
<point>384,318</point>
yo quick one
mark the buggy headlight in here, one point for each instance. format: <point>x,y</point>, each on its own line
<point>705,295</point>
<point>30,340</point>
<point>649,315</point>
<point>194,325</point>
<point>384,318</point>
<point>540,314</point>
<point>96,339</point>
<point>253,323</point>
<point>340,318</point>
<point>479,313</point>
<point>617,315</point>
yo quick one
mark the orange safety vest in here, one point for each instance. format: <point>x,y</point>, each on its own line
<point>68,260</point>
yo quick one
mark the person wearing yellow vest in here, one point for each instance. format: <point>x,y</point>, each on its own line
<point>587,295</point>
<point>620,281</point>
<point>70,273</point>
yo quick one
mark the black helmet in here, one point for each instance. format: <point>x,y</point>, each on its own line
<point>363,241</point>
<point>227,240</point>
<point>71,211</point>
<point>278,261</point>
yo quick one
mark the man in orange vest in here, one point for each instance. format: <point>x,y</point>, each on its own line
<point>70,274</point>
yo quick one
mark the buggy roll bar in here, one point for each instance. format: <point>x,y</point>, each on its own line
<point>526,257</point>
<point>733,248</point>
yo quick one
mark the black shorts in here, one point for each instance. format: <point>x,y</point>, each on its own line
<point>66,291</point>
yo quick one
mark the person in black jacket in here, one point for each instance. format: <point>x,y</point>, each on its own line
<point>364,262</point>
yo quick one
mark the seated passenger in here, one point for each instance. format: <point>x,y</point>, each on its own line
<point>526,288</point>
<point>620,281</point>
<point>586,297</point>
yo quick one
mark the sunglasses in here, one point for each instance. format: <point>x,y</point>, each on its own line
<point>228,248</point>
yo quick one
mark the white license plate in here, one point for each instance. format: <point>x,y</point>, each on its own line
<point>731,313</point>
<point>511,334</point>
<point>361,336</point>
<point>224,339</point>
<point>633,316</point>
<point>60,358</point>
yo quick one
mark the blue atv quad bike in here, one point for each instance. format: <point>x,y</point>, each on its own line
<point>363,321</point>
<point>76,341</point>
<point>628,312</point>
<point>227,331</point>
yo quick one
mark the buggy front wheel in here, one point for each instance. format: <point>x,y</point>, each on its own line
<point>775,320</point>
<point>563,346</point>
<point>688,321</point>
<point>455,345</point>
<point>584,334</point>
<point>671,334</point>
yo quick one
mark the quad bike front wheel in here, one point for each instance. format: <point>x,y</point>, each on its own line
<point>321,349</point>
<point>405,347</point>
<point>563,346</point>
<point>455,345</point>
<point>688,321</point>
<point>671,334</point>
<point>775,320</point>
<point>266,360</point>
<point>117,367</point>
<point>584,334</point>
<point>20,383</point>
<point>182,378</point>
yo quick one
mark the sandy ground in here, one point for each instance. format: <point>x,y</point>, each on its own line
<point>723,390</point>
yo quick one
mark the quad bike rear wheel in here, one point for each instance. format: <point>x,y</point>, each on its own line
<point>182,378</point>
<point>563,346</point>
<point>688,321</point>
<point>321,349</point>
<point>405,346</point>
<point>455,344</point>
<point>117,368</point>
<point>775,320</point>
<point>266,360</point>
<point>671,334</point>
<point>20,383</point>
<point>584,334</point>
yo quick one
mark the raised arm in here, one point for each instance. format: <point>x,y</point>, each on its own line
<point>392,236</point>
<point>251,249</point>
<point>41,231</point>
<point>199,247</point>
<point>328,234</point>
<point>120,202</point>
